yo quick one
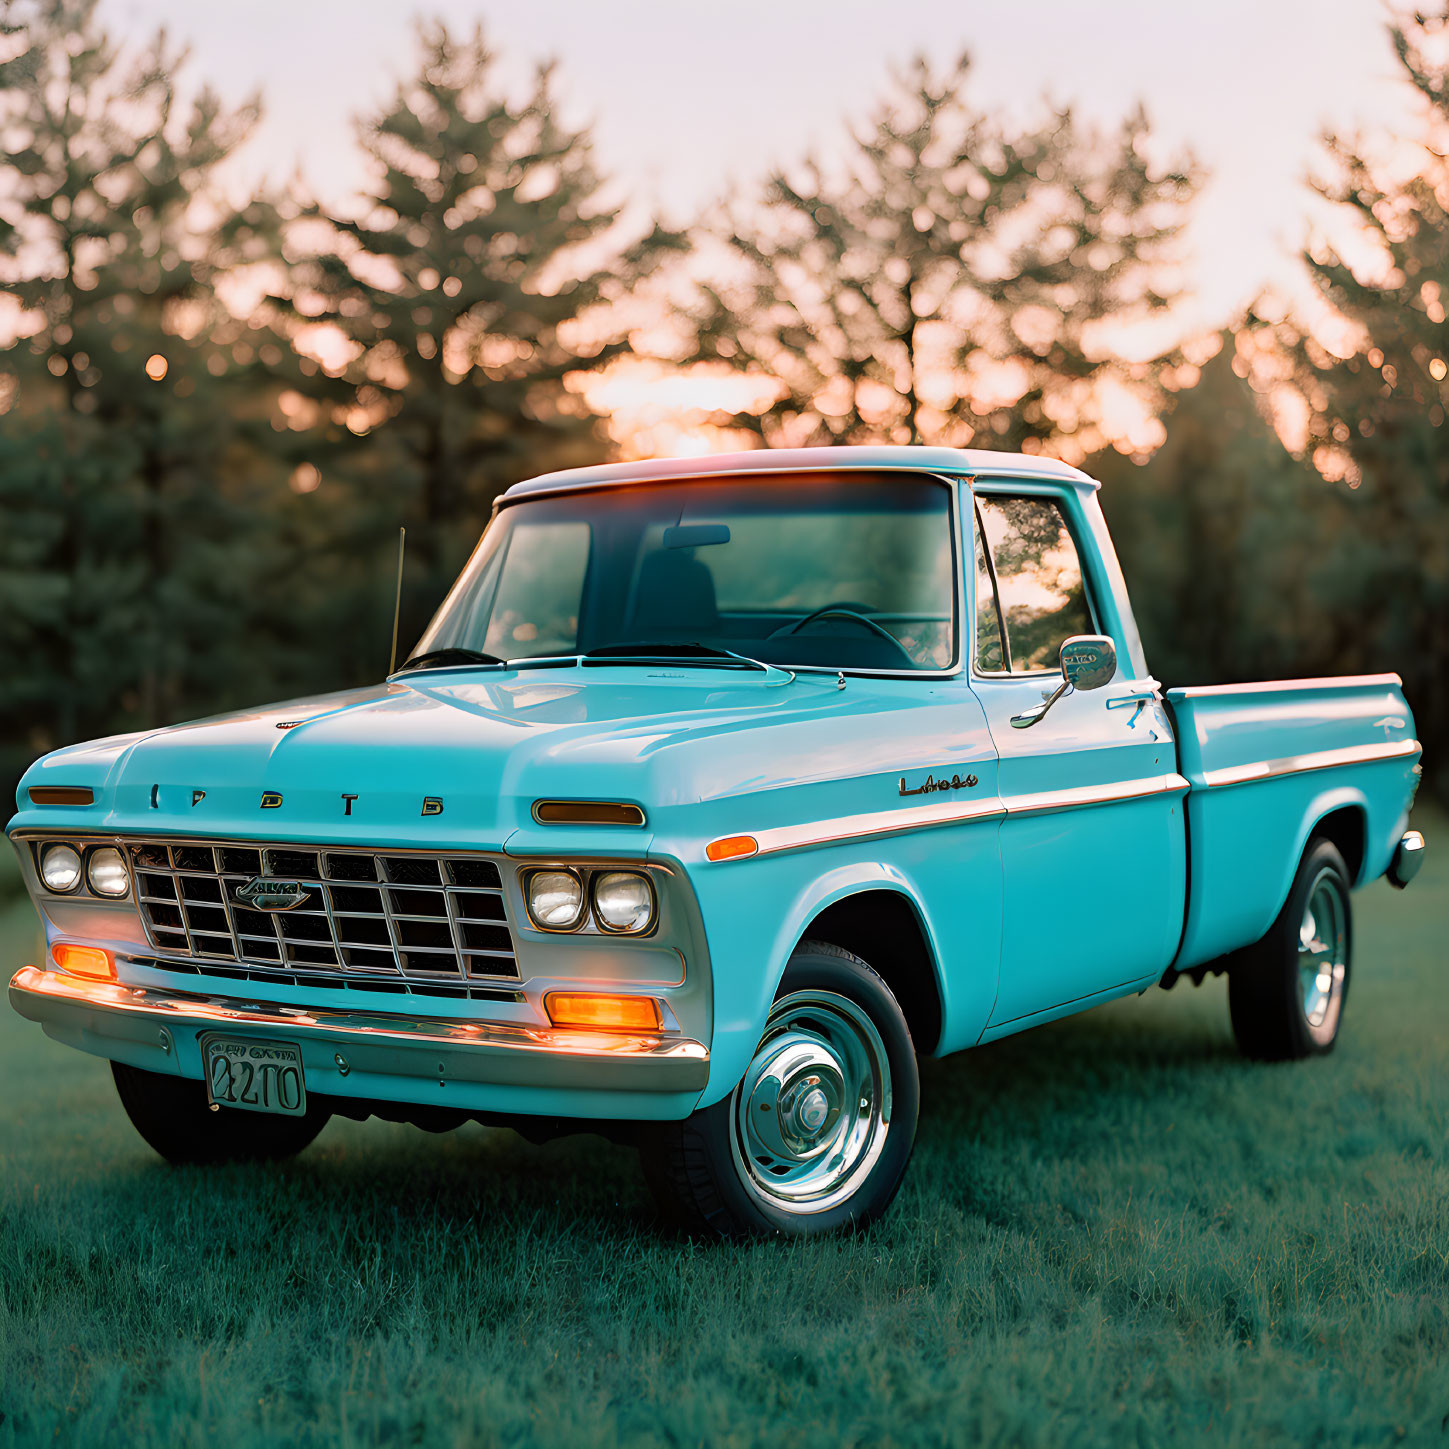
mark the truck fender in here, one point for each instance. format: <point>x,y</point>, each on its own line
<point>734,1044</point>
<point>1323,804</point>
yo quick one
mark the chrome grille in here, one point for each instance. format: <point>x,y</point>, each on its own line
<point>365,913</point>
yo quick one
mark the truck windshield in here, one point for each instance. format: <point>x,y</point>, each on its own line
<point>819,570</point>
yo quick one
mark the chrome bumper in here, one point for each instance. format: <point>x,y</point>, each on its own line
<point>1408,857</point>
<point>336,1045</point>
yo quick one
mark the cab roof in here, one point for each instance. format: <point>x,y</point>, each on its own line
<point>955,461</point>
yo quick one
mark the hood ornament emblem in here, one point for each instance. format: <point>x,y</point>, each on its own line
<point>268,893</point>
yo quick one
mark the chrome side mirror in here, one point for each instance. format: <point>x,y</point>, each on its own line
<point>1088,661</point>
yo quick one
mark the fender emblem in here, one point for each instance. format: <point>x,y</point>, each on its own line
<point>267,894</point>
<point>197,796</point>
<point>931,784</point>
<point>432,805</point>
<point>270,800</point>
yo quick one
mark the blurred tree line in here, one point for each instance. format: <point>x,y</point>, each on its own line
<point>216,412</point>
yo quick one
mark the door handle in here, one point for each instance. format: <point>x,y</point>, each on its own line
<point>1149,690</point>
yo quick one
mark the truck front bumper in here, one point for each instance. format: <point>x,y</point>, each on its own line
<point>475,1065</point>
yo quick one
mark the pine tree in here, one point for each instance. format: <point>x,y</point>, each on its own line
<point>942,284</point>
<point>1222,539</point>
<point>470,286</point>
<point>136,413</point>
<point>1376,416</point>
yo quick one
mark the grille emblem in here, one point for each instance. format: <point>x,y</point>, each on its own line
<point>269,894</point>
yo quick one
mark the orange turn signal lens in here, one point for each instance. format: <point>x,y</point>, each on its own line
<point>84,960</point>
<point>606,1013</point>
<point>732,847</point>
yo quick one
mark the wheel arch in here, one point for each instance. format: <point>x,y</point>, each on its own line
<point>884,926</point>
<point>1346,826</point>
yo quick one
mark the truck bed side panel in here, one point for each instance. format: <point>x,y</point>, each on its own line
<point>1266,763</point>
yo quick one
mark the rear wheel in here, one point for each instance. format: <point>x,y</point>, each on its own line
<point>818,1132</point>
<point>173,1115</point>
<point>1287,992</point>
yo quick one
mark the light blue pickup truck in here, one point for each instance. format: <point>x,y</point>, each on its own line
<point>717,791</point>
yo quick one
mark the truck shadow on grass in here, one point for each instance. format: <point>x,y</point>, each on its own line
<point>1063,1090</point>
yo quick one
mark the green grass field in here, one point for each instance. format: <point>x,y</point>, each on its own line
<point>1114,1231</point>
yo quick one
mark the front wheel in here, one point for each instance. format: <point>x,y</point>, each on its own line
<point>174,1117</point>
<point>1287,992</point>
<point>818,1132</point>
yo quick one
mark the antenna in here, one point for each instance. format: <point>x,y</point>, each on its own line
<point>402,538</point>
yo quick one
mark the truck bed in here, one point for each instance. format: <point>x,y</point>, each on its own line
<point>1267,764</point>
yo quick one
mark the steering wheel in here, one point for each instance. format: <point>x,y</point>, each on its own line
<point>840,611</point>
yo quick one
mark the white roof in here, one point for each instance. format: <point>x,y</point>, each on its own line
<point>957,461</point>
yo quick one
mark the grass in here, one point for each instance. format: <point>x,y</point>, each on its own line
<point>1113,1231</point>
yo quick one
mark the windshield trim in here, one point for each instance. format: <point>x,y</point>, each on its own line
<point>952,483</point>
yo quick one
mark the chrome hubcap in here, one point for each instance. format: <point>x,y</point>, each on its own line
<point>1323,956</point>
<point>811,1115</point>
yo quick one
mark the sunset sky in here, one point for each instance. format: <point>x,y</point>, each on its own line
<point>686,97</point>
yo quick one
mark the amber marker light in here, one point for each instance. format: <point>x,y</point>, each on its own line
<point>84,960</point>
<point>732,847</point>
<point>604,1013</point>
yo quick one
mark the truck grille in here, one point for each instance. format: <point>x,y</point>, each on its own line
<point>410,915</point>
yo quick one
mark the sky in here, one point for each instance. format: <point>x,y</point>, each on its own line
<point>689,96</point>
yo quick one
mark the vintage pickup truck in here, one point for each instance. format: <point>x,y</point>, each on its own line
<point>717,791</point>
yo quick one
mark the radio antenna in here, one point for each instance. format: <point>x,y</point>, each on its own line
<point>402,538</point>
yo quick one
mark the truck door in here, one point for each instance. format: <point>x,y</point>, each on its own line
<point>1092,842</point>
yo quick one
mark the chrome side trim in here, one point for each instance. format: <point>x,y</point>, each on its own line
<point>867,826</point>
<point>1344,681</point>
<point>898,822</point>
<point>481,1051</point>
<point>1050,801</point>
<point>1299,764</point>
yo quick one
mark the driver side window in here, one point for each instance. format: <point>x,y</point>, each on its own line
<point>1030,592</point>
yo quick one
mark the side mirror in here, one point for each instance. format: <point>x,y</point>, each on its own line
<point>1088,662</point>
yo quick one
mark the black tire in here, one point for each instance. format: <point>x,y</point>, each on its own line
<point>698,1167</point>
<point>1276,1016</point>
<point>173,1115</point>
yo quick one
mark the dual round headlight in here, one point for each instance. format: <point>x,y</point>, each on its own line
<point>104,868</point>
<point>622,900</point>
<point>60,868</point>
<point>106,872</point>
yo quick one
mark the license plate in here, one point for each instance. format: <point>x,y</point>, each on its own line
<point>257,1076</point>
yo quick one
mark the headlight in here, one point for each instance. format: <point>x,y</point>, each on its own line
<point>106,872</point>
<point>555,899</point>
<point>60,868</point>
<point>624,901</point>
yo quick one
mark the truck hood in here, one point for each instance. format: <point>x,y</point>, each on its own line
<point>459,758</point>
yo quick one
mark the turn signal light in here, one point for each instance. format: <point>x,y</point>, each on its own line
<point>84,960</point>
<point>732,847</point>
<point>606,1013</point>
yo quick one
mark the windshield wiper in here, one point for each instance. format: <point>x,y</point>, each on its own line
<point>706,656</point>
<point>681,653</point>
<point>449,656</point>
